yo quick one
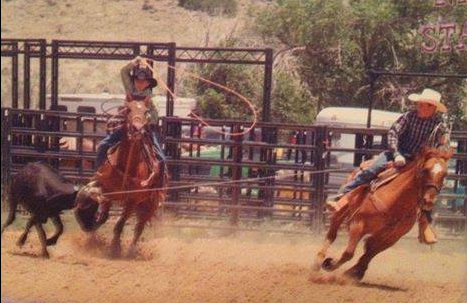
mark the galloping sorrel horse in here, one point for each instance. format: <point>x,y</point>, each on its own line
<point>132,165</point>
<point>387,213</point>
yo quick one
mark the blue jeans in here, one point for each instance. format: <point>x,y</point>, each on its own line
<point>366,175</point>
<point>114,138</point>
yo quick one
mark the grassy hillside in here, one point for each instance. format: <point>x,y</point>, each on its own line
<point>111,20</point>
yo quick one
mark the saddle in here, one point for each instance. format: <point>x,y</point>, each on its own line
<point>384,177</point>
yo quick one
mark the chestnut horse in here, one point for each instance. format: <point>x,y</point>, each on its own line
<point>386,214</point>
<point>127,177</point>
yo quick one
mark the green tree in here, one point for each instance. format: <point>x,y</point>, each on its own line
<point>217,103</point>
<point>290,99</point>
<point>341,41</point>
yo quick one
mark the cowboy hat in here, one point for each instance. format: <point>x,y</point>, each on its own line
<point>429,96</point>
<point>142,73</point>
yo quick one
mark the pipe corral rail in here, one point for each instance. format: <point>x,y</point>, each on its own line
<point>293,193</point>
<point>288,153</point>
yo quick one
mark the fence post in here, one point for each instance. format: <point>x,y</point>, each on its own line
<point>172,58</point>
<point>27,76</point>
<point>14,77</point>
<point>237,154</point>
<point>54,66</point>
<point>358,156</point>
<point>6,159</point>
<point>268,66</point>
<point>43,74</point>
<point>173,130</point>
<point>79,145</point>
<point>319,179</point>
<point>270,160</point>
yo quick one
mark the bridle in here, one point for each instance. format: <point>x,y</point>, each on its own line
<point>425,184</point>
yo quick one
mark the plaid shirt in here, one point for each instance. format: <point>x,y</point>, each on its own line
<point>410,133</point>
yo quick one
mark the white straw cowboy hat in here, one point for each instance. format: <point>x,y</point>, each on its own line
<point>429,96</point>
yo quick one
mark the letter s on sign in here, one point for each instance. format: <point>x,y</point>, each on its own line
<point>425,32</point>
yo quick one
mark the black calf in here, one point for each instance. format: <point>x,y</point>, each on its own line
<point>44,193</point>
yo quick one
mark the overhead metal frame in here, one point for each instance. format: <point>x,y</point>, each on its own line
<point>30,48</point>
<point>114,50</point>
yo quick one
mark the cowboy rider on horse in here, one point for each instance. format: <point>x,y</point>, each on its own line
<point>138,82</point>
<point>406,137</point>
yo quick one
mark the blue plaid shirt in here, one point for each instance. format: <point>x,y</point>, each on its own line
<point>410,133</point>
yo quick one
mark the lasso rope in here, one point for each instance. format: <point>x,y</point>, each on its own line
<point>217,183</point>
<point>225,88</point>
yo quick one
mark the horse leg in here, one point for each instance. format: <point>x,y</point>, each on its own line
<point>355,235</point>
<point>115,245</point>
<point>24,235</point>
<point>13,205</point>
<point>376,244</point>
<point>144,213</point>
<point>331,236</point>
<point>59,227</point>
<point>42,238</point>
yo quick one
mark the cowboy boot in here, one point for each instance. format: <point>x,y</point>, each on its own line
<point>337,202</point>
<point>426,232</point>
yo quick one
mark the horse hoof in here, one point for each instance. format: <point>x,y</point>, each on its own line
<point>115,252</point>
<point>51,242</point>
<point>132,253</point>
<point>354,274</point>
<point>327,264</point>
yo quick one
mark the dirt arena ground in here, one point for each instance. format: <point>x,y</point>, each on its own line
<point>205,266</point>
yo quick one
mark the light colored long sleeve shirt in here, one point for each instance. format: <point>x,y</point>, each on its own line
<point>131,91</point>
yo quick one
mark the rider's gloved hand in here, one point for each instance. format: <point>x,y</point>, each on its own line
<point>399,160</point>
<point>138,60</point>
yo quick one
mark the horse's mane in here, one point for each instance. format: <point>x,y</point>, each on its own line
<point>441,152</point>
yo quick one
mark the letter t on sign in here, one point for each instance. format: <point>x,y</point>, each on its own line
<point>450,29</point>
<point>462,38</point>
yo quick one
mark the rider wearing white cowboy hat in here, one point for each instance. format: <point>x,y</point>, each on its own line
<point>406,137</point>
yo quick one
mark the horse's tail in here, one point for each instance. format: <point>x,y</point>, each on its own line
<point>12,202</point>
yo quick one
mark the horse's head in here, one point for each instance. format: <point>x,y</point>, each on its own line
<point>136,119</point>
<point>434,169</point>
